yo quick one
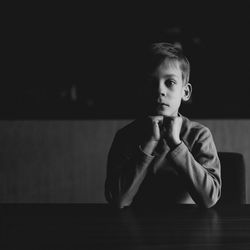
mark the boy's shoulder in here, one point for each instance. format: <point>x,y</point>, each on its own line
<point>133,127</point>
<point>193,127</point>
<point>130,135</point>
<point>192,123</point>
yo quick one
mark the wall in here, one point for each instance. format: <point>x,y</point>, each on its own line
<point>65,161</point>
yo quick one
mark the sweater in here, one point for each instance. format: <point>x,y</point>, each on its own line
<point>188,174</point>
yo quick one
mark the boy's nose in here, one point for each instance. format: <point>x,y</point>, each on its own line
<point>162,90</point>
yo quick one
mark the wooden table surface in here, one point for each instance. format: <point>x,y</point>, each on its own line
<point>97,226</point>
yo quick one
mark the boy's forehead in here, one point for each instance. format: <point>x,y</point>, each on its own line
<point>168,65</point>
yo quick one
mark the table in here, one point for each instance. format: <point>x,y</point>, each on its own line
<point>98,226</point>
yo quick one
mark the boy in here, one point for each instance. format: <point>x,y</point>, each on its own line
<point>164,158</point>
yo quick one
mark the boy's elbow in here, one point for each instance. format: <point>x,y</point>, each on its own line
<point>206,204</point>
<point>210,201</point>
<point>212,197</point>
<point>122,203</point>
<point>119,203</point>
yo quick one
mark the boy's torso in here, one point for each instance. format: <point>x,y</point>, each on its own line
<point>162,179</point>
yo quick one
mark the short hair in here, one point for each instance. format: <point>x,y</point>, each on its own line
<point>158,52</point>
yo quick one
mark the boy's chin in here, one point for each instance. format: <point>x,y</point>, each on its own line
<point>165,113</point>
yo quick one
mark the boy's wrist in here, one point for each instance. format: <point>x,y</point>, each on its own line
<point>174,143</point>
<point>149,147</point>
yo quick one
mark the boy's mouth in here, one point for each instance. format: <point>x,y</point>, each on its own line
<point>162,104</point>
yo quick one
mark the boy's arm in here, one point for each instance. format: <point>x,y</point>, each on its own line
<point>200,169</point>
<point>125,172</point>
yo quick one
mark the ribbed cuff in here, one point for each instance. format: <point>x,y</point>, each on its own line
<point>178,150</point>
<point>145,154</point>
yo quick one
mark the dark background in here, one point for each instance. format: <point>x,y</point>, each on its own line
<point>70,62</point>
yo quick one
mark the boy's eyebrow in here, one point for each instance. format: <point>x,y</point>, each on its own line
<point>169,75</point>
<point>166,75</point>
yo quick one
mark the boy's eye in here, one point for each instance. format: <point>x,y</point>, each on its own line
<point>169,83</point>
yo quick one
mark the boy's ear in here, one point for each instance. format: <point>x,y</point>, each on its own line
<point>187,91</point>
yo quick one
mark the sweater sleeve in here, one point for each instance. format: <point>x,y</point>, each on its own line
<point>200,168</point>
<point>125,172</point>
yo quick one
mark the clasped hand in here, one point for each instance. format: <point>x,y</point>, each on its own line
<point>165,127</point>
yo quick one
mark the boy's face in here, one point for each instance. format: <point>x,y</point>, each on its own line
<point>167,89</point>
